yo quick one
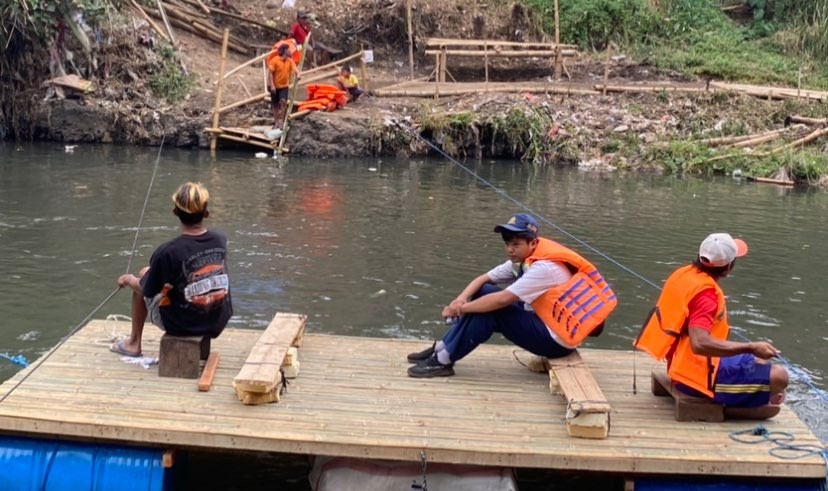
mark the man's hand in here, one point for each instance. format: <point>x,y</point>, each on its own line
<point>451,311</point>
<point>763,350</point>
<point>125,279</point>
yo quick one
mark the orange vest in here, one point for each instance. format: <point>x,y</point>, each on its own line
<point>293,50</point>
<point>573,310</point>
<point>666,327</point>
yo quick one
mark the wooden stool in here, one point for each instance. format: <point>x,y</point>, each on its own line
<point>688,408</point>
<point>180,356</point>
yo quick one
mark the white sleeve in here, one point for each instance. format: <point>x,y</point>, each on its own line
<point>540,277</point>
<point>502,273</point>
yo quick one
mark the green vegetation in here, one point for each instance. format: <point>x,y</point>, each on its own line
<point>519,132</point>
<point>780,40</point>
<point>170,80</point>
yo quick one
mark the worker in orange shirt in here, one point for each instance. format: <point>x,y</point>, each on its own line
<point>281,68</point>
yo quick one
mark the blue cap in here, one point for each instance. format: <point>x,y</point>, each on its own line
<point>520,222</point>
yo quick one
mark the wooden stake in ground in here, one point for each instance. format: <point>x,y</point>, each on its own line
<point>558,54</point>
<point>363,71</point>
<point>410,38</point>
<point>606,67</point>
<point>214,136</point>
<point>285,123</point>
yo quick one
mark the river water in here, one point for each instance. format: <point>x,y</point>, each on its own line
<point>377,247</point>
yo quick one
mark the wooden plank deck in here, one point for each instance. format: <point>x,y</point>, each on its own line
<point>353,398</point>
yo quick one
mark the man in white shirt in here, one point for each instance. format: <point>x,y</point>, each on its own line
<point>482,308</point>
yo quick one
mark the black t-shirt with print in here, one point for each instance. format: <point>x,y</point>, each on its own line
<point>190,272</point>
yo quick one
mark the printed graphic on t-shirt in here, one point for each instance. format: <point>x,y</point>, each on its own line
<point>207,280</point>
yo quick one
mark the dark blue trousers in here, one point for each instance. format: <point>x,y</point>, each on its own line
<point>518,325</point>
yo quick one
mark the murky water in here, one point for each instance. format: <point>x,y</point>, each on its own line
<point>376,248</point>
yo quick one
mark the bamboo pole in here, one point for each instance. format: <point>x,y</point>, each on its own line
<point>486,61</point>
<point>766,137</point>
<point>285,125</point>
<point>202,6</point>
<point>247,63</point>
<point>725,140</point>
<point>332,64</point>
<point>768,180</point>
<point>802,141</point>
<point>606,68</point>
<point>318,77</point>
<point>225,41</point>
<point>363,72</point>
<point>246,90</point>
<point>808,121</point>
<point>434,92</point>
<point>410,38</point>
<point>242,140</point>
<point>149,20</point>
<point>558,54</point>
<point>647,88</point>
<point>502,53</point>
<point>166,21</point>
<point>262,97</point>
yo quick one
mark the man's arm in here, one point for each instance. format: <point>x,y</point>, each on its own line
<point>706,345</point>
<point>131,281</point>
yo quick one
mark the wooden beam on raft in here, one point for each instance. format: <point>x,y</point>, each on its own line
<point>587,410</point>
<point>209,372</point>
<point>260,378</point>
<point>225,40</point>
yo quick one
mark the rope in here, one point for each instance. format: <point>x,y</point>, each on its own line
<point>783,448</point>
<point>821,394</point>
<point>109,297</point>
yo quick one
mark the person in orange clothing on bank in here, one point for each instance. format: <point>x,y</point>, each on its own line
<point>688,328</point>
<point>281,67</point>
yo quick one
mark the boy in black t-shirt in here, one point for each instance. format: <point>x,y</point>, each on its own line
<point>185,290</point>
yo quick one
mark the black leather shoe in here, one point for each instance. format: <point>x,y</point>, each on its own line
<point>431,367</point>
<point>422,355</point>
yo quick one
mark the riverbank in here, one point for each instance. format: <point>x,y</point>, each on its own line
<point>143,96</point>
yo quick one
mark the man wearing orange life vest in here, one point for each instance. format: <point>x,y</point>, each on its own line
<point>688,328</point>
<point>555,300</point>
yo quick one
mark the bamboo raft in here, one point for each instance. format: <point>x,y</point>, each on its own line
<point>353,398</point>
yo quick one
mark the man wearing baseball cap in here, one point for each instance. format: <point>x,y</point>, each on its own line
<point>688,328</point>
<point>555,299</point>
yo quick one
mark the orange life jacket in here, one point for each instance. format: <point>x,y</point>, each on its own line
<point>573,310</point>
<point>293,50</point>
<point>666,328</point>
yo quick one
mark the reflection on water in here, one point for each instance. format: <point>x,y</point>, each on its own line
<point>376,248</point>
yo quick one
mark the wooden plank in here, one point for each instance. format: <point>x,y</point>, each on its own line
<point>355,399</point>
<point>501,53</point>
<point>260,372</point>
<point>209,372</point>
<point>687,407</point>
<point>587,410</point>
<point>452,42</point>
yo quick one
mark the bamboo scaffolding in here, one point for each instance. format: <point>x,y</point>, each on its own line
<point>149,20</point>
<point>225,41</point>
<point>772,92</point>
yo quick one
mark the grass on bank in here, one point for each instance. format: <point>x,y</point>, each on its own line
<point>785,43</point>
